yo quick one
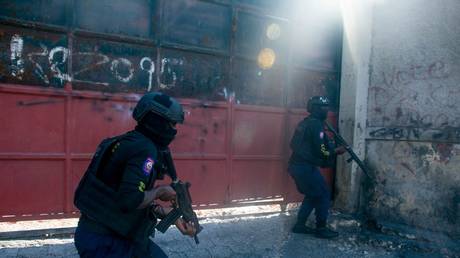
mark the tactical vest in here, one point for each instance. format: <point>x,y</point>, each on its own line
<point>98,201</point>
<point>301,147</point>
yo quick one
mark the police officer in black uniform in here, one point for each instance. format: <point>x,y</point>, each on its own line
<point>116,196</point>
<point>312,149</point>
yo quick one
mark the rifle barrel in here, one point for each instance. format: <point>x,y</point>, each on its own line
<point>350,151</point>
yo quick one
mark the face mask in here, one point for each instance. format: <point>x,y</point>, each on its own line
<point>319,112</point>
<point>161,131</point>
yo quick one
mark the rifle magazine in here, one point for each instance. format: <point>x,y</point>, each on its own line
<point>165,223</point>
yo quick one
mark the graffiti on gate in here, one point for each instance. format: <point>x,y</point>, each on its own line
<point>112,66</point>
<point>50,63</point>
<point>52,60</point>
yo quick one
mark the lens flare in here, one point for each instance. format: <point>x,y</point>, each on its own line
<point>266,58</point>
<point>273,31</point>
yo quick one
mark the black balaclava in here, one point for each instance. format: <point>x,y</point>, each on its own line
<point>319,112</point>
<point>157,128</point>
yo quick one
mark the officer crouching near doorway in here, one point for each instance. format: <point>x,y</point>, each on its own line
<point>116,196</point>
<point>312,149</point>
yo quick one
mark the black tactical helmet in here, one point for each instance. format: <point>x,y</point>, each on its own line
<point>160,104</point>
<point>317,101</point>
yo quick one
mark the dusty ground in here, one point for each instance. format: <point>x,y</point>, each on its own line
<point>256,232</point>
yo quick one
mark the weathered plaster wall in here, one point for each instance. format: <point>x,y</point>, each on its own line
<point>413,104</point>
<point>415,66</point>
<point>353,98</point>
<point>412,129</point>
<point>418,183</point>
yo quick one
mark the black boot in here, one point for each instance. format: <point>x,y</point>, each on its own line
<point>302,229</point>
<point>325,232</point>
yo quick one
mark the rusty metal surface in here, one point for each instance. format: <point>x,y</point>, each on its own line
<point>255,86</point>
<point>204,132</point>
<point>250,131</point>
<point>193,75</point>
<point>25,187</point>
<point>105,57</point>
<point>269,7</point>
<point>43,11</point>
<point>71,72</point>
<point>26,127</point>
<point>208,178</point>
<point>98,16</point>
<point>197,23</point>
<point>257,179</point>
<point>225,150</point>
<point>104,116</point>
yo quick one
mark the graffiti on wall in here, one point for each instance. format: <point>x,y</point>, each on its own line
<point>418,96</point>
<point>445,133</point>
<point>435,70</point>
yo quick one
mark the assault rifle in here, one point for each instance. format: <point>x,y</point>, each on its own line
<point>183,206</point>
<point>371,221</point>
<point>340,141</point>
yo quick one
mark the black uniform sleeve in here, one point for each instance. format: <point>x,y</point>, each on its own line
<point>136,178</point>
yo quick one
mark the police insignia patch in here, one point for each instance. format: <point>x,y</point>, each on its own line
<point>148,165</point>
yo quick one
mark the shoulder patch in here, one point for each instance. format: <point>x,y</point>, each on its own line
<point>321,135</point>
<point>148,166</point>
<point>141,187</point>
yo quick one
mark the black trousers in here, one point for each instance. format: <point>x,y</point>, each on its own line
<point>94,245</point>
<point>312,185</point>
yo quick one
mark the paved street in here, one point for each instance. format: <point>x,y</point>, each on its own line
<point>267,236</point>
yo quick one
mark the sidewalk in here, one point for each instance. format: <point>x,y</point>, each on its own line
<point>230,234</point>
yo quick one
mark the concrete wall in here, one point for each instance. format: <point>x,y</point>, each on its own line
<point>353,98</point>
<point>412,129</point>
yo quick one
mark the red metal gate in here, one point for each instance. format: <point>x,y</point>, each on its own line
<point>231,153</point>
<point>71,72</point>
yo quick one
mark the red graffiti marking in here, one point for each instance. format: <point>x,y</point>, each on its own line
<point>445,151</point>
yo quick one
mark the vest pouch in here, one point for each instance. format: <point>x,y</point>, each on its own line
<point>97,201</point>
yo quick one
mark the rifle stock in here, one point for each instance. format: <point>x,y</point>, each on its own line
<point>350,151</point>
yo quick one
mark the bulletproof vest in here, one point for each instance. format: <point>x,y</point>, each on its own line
<point>300,146</point>
<point>98,201</point>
